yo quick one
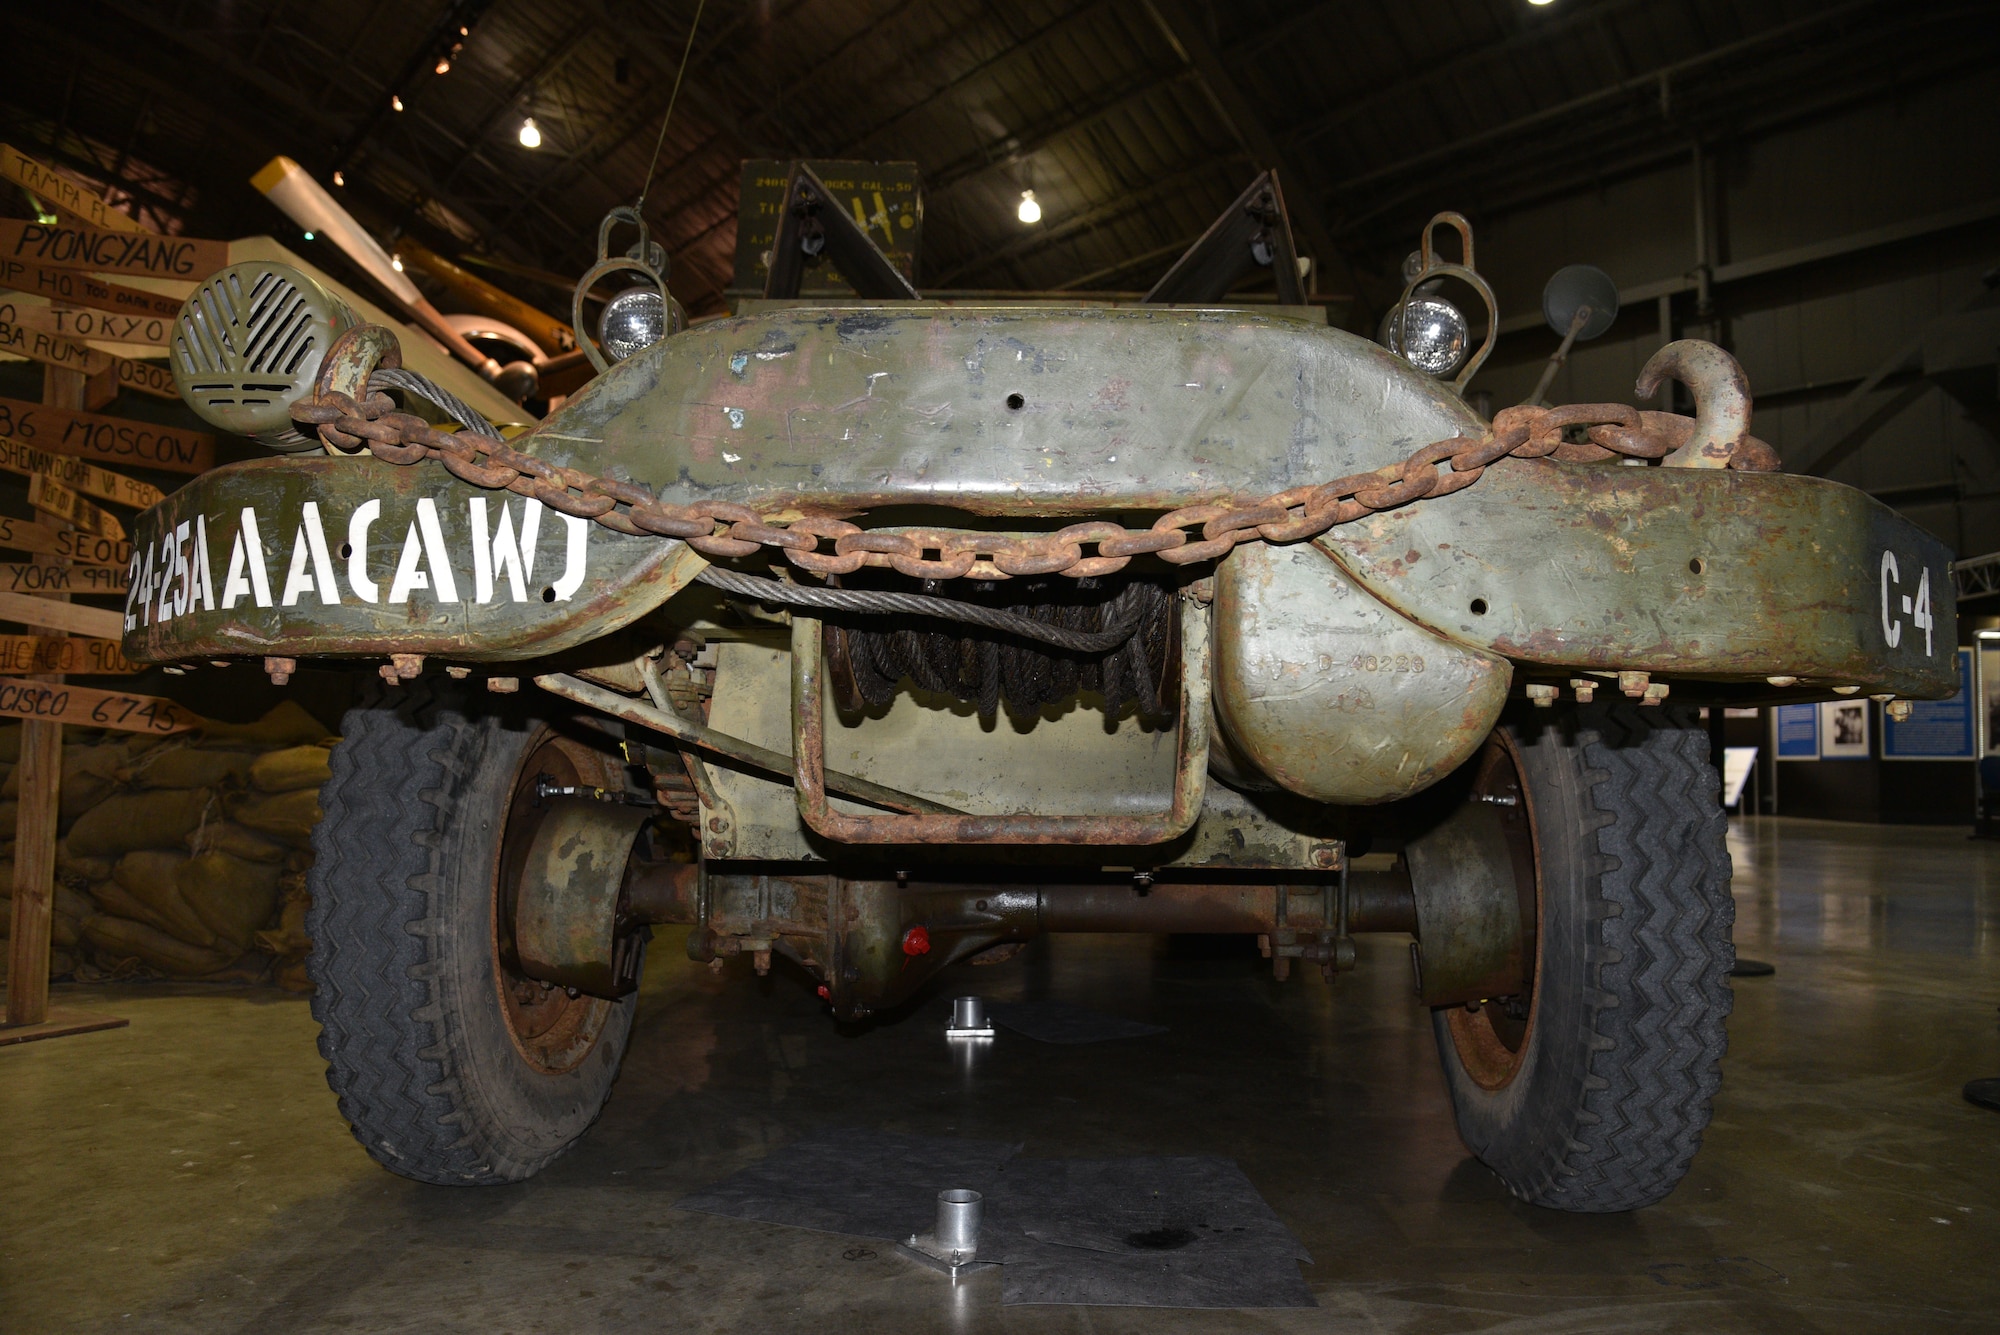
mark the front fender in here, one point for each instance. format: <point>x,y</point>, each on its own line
<point>325,556</point>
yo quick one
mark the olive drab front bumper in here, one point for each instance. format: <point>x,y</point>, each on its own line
<point>1712,579</point>
<point>1695,575</point>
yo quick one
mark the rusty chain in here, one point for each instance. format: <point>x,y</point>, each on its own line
<point>724,529</point>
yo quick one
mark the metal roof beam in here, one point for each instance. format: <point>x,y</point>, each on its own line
<point>552,60</point>
<point>1183,32</point>
<point>1014,51</point>
<point>1452,68</point>
<point>266,88</point>
<point>1125,205</point>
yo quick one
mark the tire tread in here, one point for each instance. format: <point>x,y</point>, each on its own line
<point>1657,1015</point>
<point>375,871</point>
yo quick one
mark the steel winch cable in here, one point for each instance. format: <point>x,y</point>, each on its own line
<point>987,670</point>
<point>386,378</point>
<point>884,602</point>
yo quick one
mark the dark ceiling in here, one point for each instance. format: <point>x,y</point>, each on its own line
<point>1134,121</point>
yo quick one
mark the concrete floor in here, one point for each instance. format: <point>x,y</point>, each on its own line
<point>190,1173</point>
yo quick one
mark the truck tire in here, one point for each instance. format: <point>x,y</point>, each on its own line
<point>451,1066</point>
<point>1595,1100</point>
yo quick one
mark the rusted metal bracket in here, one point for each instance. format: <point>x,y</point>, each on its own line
<point>1252,232</point>
<point>811,223</point>
<point>810,776</point>
<point>1433,267</point>
<point>733,748</point>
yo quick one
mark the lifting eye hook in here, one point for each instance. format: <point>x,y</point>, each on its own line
<point>1721,398</point>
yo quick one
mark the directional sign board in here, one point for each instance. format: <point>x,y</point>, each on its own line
<point>110,439</point>
<point>25,535</point>
<point>146,378</point>
<point>37,577</point>
<point>60,246</point>
<point>22,655</point>
<point>82,289</point>
<point>87,478</point>
<point>64,195</point>
<point>49,349</point>
<point>84,707</point>
<point>49,614</point>
<point>78,324</point>
<point>53,498</point>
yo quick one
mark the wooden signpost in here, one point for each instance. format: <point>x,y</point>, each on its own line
<point>19,457</point>
<point>49,349</point>
<point>38,776</point>
<point>49,577</point>
<point>62,246</point>
<point>112,440</point>
<point>21,654</point>
<point>52,613</point>
<point>146,378</point>
<point>82,289</point>
<point>53,498</point>
<point>31,339</point>
<point>47,442</point>
<point>55,703</point>
<point>77,324</point>
<point>62,194</point>
<point>28,535</point>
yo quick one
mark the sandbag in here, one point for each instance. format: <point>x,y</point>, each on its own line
<point>234,898</point>
<point>101,760</point>
<point>115,900</point>
<point>135,940</point>
<point>158,818</point>
<point>74,902</point>
<point>152,875</point>
<point>238,841</point>
<point>286,725</point>
<point>86,869</point>
<point>187,767</point>
<point>290,816</point>
<point>70,909</point>
<point>293,768</point>
<point>288,939</point>
<point>79,795</point>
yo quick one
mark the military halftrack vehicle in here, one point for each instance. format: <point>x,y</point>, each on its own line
<point>868,639</point>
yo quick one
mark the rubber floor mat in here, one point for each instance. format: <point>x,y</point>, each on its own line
<point>1140,1232</point>
<point>867,1183</point>
<point>1137,1232</point>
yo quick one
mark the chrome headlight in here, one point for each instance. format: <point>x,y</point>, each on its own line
<point>1430,333</point>
<point>634,319</point>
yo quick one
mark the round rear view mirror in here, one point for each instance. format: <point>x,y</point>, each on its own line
<point>1573,287</point>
